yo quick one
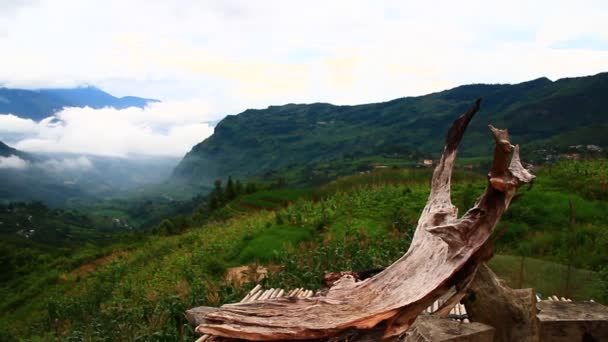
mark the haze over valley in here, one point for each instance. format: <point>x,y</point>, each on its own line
<point>151,150</point>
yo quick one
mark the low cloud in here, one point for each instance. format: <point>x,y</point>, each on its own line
<point>13,162</point>
<point>10,123</point>
<point>81,163</point>
<point>67,164</point>
<point>160,129</point>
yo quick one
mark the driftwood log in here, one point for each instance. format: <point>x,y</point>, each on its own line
<point>511,312</point>
<point>445,253</point>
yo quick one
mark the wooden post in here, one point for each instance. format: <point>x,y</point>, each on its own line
<point>511,312</point>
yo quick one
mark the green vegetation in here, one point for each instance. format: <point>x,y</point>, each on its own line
<point>269,199</point>
<point>587,177</point>
<point>316,142</point>
<point>265,246</point>
<point>548,277</point>
<point>539,222</point>
<point>138,288</point>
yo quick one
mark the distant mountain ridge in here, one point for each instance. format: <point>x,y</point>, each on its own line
<point>41,103</point>
<point>537,113</point>
<point>7,151</point>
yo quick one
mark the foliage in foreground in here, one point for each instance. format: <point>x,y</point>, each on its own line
<point>139,292</point>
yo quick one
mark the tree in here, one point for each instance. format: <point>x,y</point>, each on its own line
<point>167,227</point>
<point>230,191</point>
<point>219,192</point>
<point>213,202</point>
<point>281,183</point>
<point>216,197</point>
<point>251,188</point>
<point>238,187</point>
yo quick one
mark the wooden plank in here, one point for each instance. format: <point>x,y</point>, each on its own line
<point>435,329</point>
<point>266,294</point>
<point>274,293</point>
<point>255,296</point>
<point>572,321</point>
<point>253,291</point>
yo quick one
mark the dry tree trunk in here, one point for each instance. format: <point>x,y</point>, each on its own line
<point>445,251</point>
<point>511,312</point>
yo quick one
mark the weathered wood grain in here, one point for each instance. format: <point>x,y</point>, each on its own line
<point>562,321</point>
<point>511,312</point>
<point>445,251</point>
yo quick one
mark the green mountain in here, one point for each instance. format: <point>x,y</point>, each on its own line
<point>7,151</point>
<point>538,113</point>
<point>41,103</point>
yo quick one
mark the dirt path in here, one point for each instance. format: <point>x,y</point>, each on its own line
<point>94,264</point>
<point>243,274</point>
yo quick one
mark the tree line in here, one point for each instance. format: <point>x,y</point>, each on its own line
<point>222,193</point>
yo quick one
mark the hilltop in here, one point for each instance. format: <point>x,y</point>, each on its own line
<point>41,103</point>
<point>538,113</point>
<point>7,151</point>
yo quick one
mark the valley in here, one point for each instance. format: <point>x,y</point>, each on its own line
<point>117,248</point>
<point>138,286</point>
<point>382,170</point>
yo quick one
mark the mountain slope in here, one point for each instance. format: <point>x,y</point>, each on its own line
<point>537,111</point>
<point>6,150</point>
<point>41,103</point>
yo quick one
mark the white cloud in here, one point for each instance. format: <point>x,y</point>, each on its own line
<point>160,129</point>
<point>14,124</point>
<point>251,54</point>
<point>13,162</point>
<point>238,54</point>
<point>81,163</point>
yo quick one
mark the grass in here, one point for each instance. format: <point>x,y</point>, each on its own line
<point>367,225</point>
<point>357,222</point>
<point>271,199</point>
<point>548,278</point>
<point>265,246</point>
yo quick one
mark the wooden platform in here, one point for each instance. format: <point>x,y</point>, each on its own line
<point>562,321</point>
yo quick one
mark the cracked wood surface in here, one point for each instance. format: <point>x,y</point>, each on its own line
<point>444,250</point>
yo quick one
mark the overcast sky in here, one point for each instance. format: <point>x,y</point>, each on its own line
<point>212,58</point>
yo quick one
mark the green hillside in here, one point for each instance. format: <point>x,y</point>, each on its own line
<point>538,113</point>
<point>138,289</point>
